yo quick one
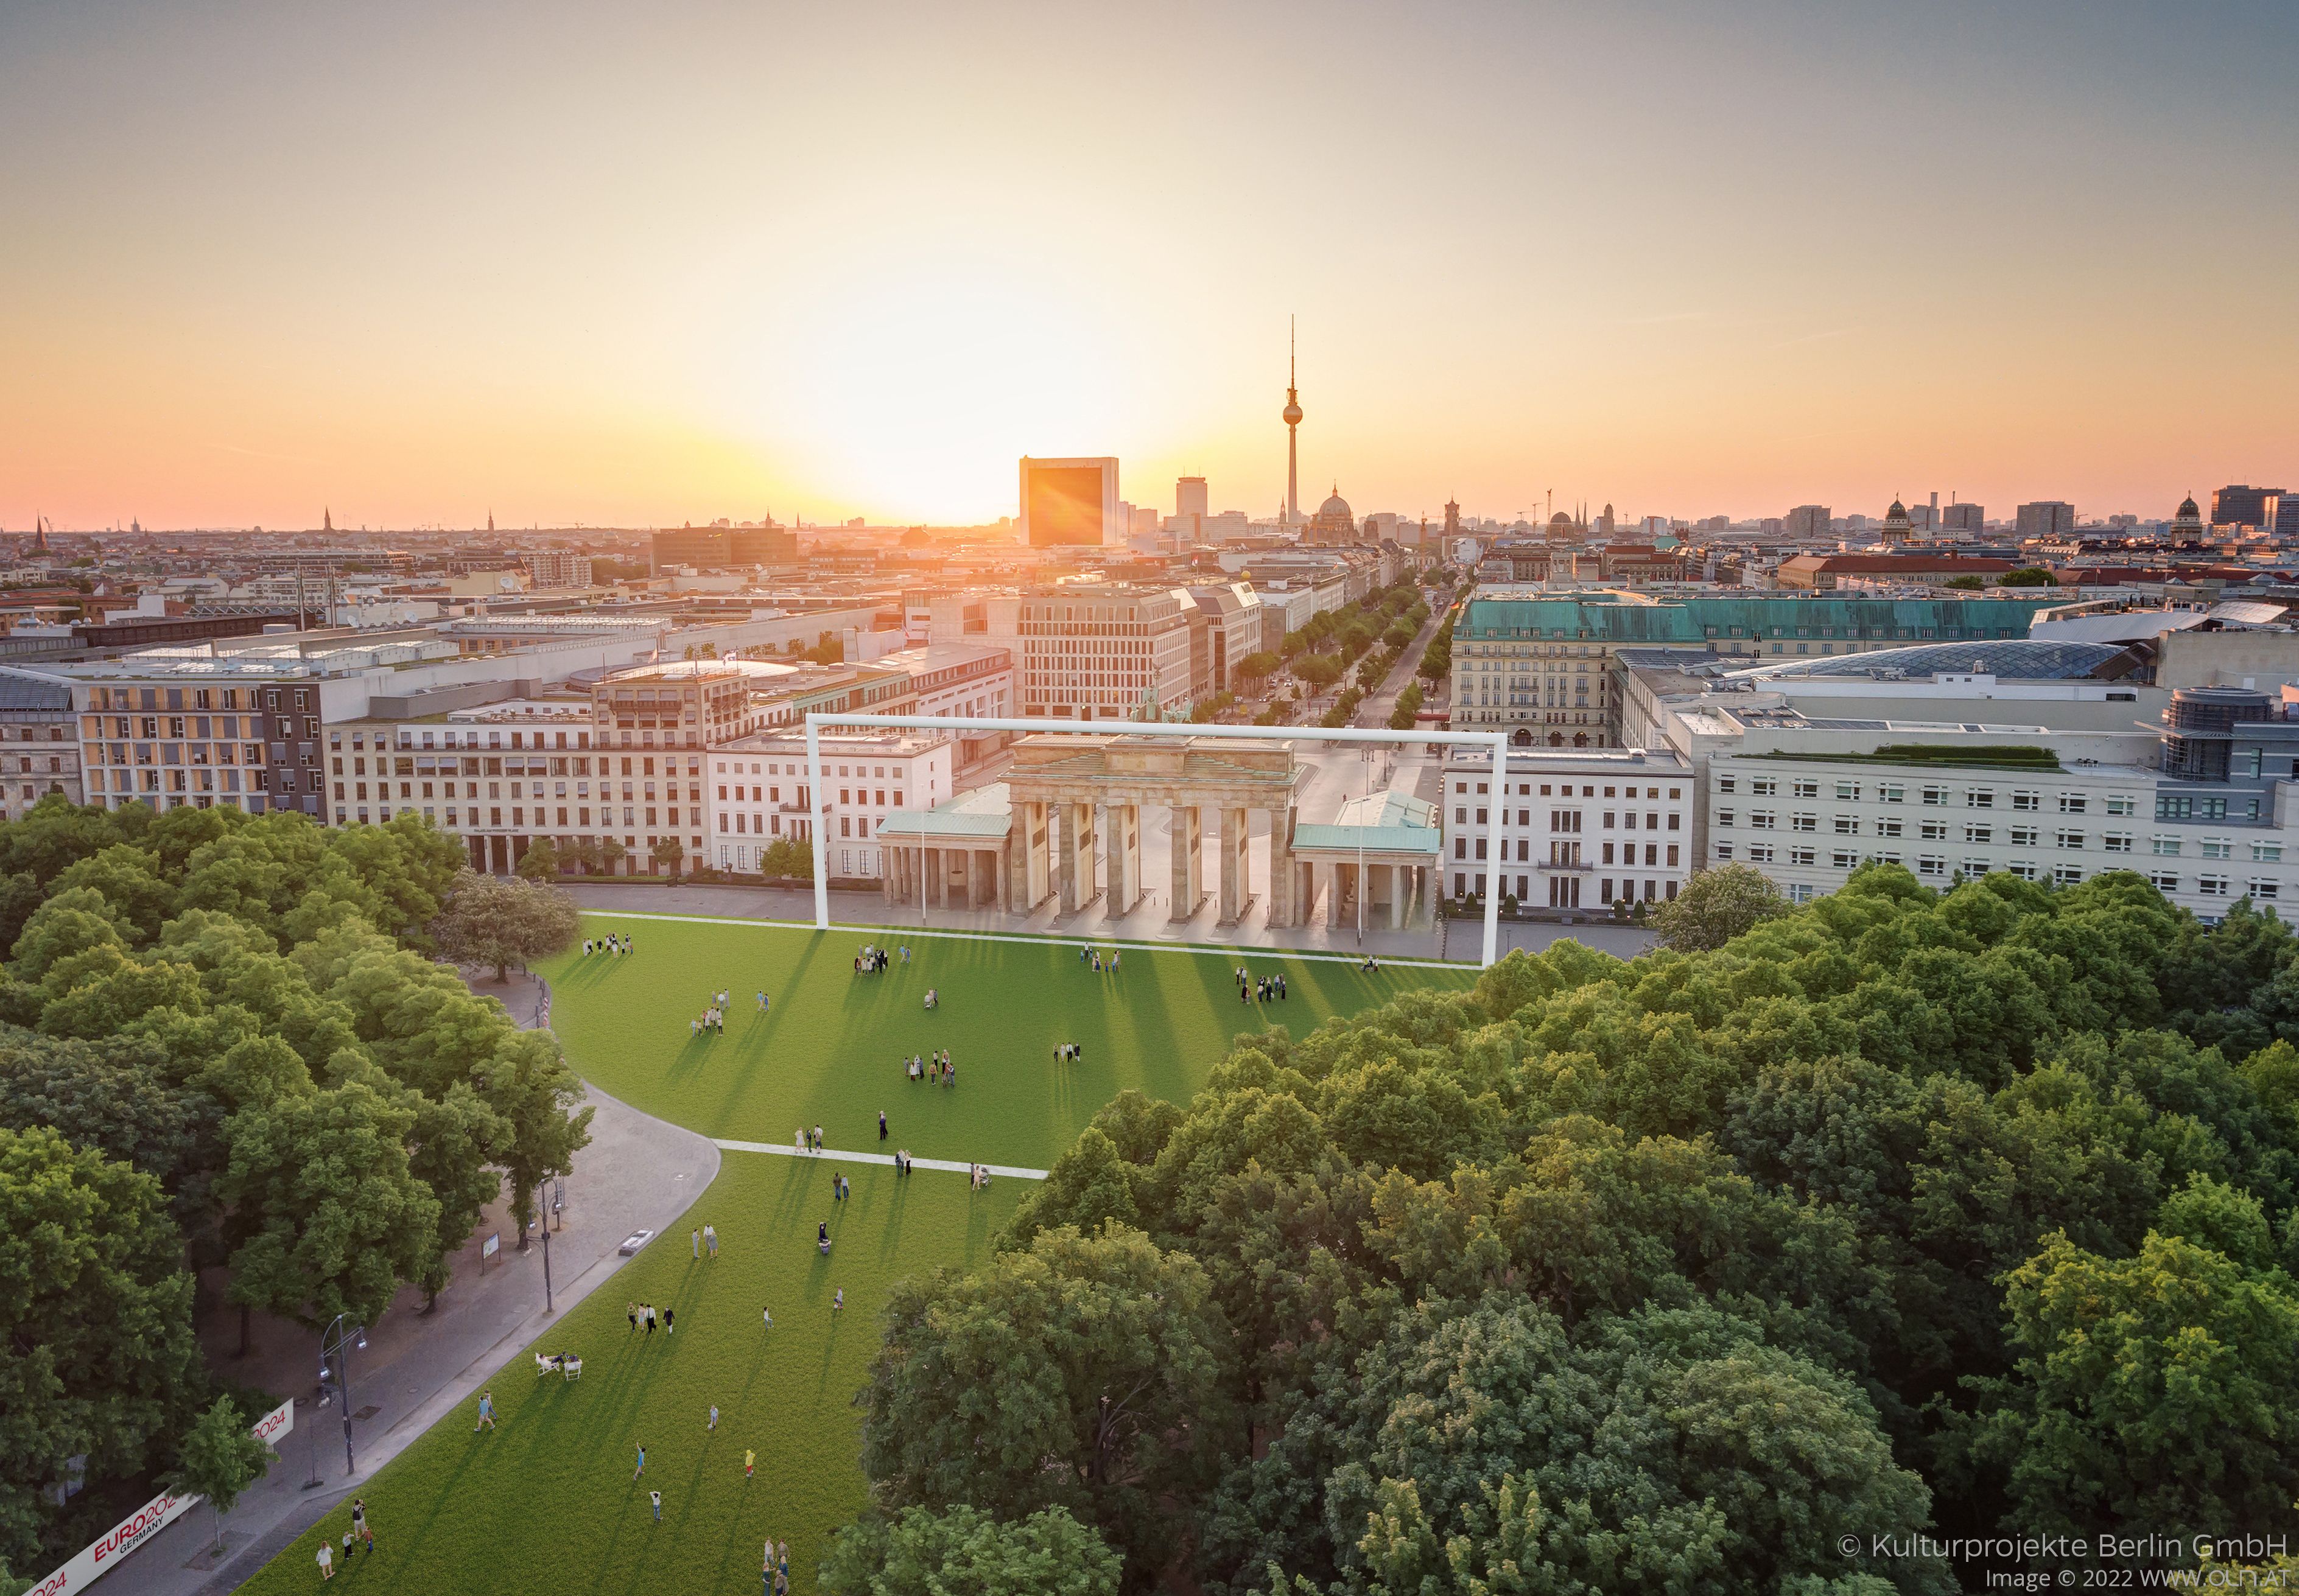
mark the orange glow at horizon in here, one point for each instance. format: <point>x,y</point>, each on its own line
<point>577,270</point>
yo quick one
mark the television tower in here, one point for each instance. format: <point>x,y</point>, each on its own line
<point>1292,421</point>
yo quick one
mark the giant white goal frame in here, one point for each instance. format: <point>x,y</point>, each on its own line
<point>1497,742</point>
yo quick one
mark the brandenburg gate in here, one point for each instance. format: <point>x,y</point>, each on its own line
<point>1073,816</point>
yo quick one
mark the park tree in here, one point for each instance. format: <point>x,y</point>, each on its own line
<point>97,1353</point>
<point>219,1458</point>
<point>667,852</point>
<point>964,1552</point>
<point>1318,670</point>
<point>533,1090</point>
<point>499,921</point>
<point>129,882</point>
<point>407,865</point>
<point>1083,1372</point>
<point>540,862</point>
<point>2123,1364</point>
<point>1717,905</point>
<point>324,1217</point>
<point>121,1098</point>
<point>611,855</point>
<point>2028,577</point>
<point>68,924</point>
<point>1625,1462</point>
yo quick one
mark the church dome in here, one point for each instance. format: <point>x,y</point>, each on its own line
<point>1898,512</point>
<point>1335,508</point>
<point>2188,510</point>
<point>1560,519</point>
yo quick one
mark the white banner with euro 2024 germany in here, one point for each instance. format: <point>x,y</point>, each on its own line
<point>99,1558</point>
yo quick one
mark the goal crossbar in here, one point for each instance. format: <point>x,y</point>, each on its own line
<point>1497,742</point>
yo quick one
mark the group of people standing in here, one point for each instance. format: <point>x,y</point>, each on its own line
<point>870,961</point>
<point>1262,989</point>
<point>936,1067</point>
<point>713,1018</point>
<point>1091,956</point>
<point>616,944</point>
<point>1067,1053</point>
<point>640,1313</point>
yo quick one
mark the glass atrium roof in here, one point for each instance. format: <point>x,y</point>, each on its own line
<point>2014,659</point>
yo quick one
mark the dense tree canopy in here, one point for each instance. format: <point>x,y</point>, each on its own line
<point>1899,1212</point>
<point>966,1552</point>
<point>223,1041</point>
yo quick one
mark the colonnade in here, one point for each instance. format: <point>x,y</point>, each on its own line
<point>1076,851</point>
<point>943,876</point>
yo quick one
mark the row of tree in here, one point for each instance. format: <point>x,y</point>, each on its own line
<point>1902,1212</point>
<point>224,1039</point>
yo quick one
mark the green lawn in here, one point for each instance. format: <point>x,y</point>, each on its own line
<point>830,1050</point>
<point>546,1504</point>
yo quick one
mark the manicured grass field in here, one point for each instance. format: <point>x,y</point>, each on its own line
<point>546,1504</point>
<point>830,1050</point>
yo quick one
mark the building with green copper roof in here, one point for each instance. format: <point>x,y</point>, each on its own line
<point>1539,665</point>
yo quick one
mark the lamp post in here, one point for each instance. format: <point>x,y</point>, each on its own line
<point>311,1447</point>
<point>543,1222</point>
<point>335,1346</point>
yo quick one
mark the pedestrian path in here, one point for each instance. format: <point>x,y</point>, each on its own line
<point>1064,937</point>
<point>887,1159</point>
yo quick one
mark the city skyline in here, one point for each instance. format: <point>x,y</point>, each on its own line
<point>1693,269</point>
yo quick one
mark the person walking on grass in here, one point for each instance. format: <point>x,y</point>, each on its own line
<point>710,1240</point>
<point>642,1468</point>
<point>767,1314</point>
<point>882,1124</point>
<point>750,1461</point>
<point>695,1240</point>
<point>327,1561</point>
<point>359,1524</point>
<point>838,1300</point>
<point>670,1320</point>
<point>656,1497</point>
<point>486,1412</point>
<point>649,1310</point>
<point>631,1312</point>
<point>712,1427</point>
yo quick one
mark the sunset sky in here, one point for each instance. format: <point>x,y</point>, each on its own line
<point>634,265</point>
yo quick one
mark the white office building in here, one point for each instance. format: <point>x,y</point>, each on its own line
<point>759,793</point>
<point>1582,831</point>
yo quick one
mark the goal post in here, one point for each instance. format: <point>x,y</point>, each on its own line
<point>818,805</point>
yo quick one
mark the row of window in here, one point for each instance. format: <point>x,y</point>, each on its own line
<point>1564,789</point>
<point>1897,792</point>
<point>2017,836</point>
<point>1569,819</point>
<point>1938,866</point>
<point>1567,854</point>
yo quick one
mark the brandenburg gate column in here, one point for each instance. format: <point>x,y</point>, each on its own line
<point>1283,886</point>
<point>1077,860</point>
<point>1124,849</point>
<point>1189,871</point>
<point>1236,893</point>
<point>1026,884</point>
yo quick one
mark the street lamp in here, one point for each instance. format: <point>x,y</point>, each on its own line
<point>336,1344</point>
<point>542,1210</point>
